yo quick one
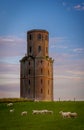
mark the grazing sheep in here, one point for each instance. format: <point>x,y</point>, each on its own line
<point>65,114</point>
<point>12,110</point>
<point>42,112</point>
<point>10,104</point>
<point>36,100</point>
<point>23,113</point>
<point>50,112</point>
<point>37,112</point>
<point>74,114</point>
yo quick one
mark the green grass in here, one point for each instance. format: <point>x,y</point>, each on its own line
<point>14,121</point>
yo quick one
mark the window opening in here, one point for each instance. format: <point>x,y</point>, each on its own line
<point>39,36</point>
<point>29,81</point>
<point>39,48</point>
<point>30,49</point>
<point>41,81</point>
<point>30,37</point>
<point>41,90</point>
<point>29,62</point>
<point>48,72</point>
<point>48,91</point>
<point>41,70</point>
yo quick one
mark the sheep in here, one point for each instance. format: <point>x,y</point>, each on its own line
<point>23,113</point>
<point>65,114</point>
<point>10,104</point>
<point>74,114</point>
<point>47,111</point>
<point>12,110</point>
<point>36,100</point>
<point>37,112</point>
<point>50,112</point>
<point>42,112</point>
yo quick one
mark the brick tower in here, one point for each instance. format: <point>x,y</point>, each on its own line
<point>36,68</point>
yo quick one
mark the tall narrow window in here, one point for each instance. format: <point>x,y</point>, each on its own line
<point>48,82</point>
<point>41,61</point>
<point>48,72</point>
<point>30,37</point>
<point>30,49</point>
<point>29,81</point>
<point>39,48</point>
<point>41,90</point>
<point>29,62</point>
<point>41,81</point>
<point>48,91</point>
<point>39,36</point>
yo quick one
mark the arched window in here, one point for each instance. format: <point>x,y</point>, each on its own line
<point>39,36</point>
<point>41,90</point>
<point>48,82</point>
<point>41,81</point>
<point>29,62</point>
<point>48,91</point>
<point>29,81</point>
<point>30,37</point>
<point>41,61</point>
<point>30,49</point>
<point>48,72</point>
<point>39,48</point>
<point>41,70</point>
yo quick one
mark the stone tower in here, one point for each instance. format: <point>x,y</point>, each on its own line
<point>36,68</point>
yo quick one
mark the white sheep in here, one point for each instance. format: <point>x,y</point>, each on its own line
<point>74,114</point>
<point>12,110</point>
<point>37,112</point>
<point>10,104</point>
<point>42,112</point>
<point>65,114</point>
<point>50,112</point>
<point>23,113</point>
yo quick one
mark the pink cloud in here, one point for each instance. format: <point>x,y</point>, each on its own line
<point>12,46</point>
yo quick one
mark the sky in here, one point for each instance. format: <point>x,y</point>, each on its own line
<point>64,20</point>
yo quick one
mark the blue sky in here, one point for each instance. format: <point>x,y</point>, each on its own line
<point>64,20</point>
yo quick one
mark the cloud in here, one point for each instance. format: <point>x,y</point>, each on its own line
<point>7,68</point>
<point>79,73</point>
<point>79,7</point>
<point>79,50</point>
<point>67,77</point>
<point>12,46</point>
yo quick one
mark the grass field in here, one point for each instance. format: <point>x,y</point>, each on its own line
<point>14,121</point>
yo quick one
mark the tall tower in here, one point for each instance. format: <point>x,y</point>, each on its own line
<point>36,68</point>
